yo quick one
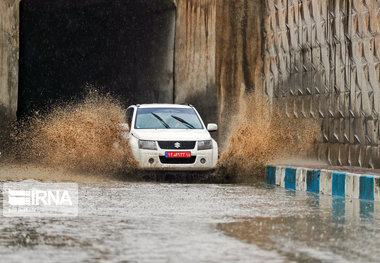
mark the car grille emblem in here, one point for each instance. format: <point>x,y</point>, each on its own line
<point>177,145</point>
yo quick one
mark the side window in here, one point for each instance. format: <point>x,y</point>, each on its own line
<point>129,116</point>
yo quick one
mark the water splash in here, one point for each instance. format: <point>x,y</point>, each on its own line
<point>81,137</point>
<point>83,140</point>
<point>260,134</point>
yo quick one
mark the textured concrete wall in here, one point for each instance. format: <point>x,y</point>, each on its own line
<point>321,60</point>
<point>318,58</point>
<point>218,44</point>
<point>9,21</point>
<point>238,54</point>
<point>195,56</point>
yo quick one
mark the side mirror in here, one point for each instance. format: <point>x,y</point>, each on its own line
<point>125,127</point>
<point>125,130</point>
<point>211,127</point>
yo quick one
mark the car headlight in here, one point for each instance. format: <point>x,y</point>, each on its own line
<point>148,145</point>
<point>205,145</point>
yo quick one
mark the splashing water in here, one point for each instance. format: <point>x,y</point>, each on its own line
<point>84,137</point>
<point>261,134</point>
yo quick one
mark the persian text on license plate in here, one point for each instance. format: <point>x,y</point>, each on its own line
<point>177,154</point>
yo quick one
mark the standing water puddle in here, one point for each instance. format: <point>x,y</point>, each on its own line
<point>151,222</point>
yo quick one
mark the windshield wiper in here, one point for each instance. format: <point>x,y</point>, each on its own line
<point>161,120</point>
<point>183,121</point>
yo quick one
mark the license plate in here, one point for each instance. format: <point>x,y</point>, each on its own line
<point>177,154</point>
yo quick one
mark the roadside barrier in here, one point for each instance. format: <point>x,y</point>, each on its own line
<point>323,181</point>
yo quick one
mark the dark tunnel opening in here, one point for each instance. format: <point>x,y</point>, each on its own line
<point>124,46</point>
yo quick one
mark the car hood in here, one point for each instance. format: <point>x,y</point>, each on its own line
<point>172,135</point>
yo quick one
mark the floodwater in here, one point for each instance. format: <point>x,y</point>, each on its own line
<point>158,222</point>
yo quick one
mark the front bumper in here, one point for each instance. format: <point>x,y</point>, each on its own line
<point>144,157</point>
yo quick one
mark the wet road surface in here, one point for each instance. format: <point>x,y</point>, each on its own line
<point>151,222</point>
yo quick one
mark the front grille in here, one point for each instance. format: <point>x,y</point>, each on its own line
<point>171,145</point>
<point>165,160</point>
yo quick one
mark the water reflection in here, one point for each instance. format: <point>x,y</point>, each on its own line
<point>338,209</point>
<point>341,207</point>
<point>331,225</point>
<point>353,208</point>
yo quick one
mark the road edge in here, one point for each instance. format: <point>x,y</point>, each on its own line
<point>325,181</point>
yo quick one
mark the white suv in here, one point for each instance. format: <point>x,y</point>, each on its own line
<point>170,137</point>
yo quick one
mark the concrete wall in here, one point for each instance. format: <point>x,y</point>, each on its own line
<point>195,56</point>
<point>318,58</point>
<point>9,21</point>
<point>218,47</point>
<point>321,60</point>
<point>238,55</point>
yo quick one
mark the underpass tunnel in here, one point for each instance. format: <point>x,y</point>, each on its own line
<point>125,47</point>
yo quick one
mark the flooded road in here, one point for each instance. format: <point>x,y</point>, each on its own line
<point>151,222</point>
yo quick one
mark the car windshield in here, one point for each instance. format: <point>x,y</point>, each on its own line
<point>167,118</point>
